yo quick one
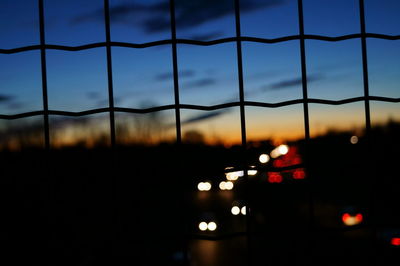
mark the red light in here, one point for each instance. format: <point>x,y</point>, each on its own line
<point>297,160</point>
<point>299,174</point>
<point>278,163</point>
<point>351,220</point>
<point>345,217</point>
<point>274,177</point>
<point>395,241</point>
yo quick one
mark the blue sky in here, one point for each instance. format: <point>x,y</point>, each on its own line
<point>77,81</point>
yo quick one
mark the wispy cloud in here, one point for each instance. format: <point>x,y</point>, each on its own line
<point>155,17</point>
<point>289,83</point>
<point>200,83</point>
<point>202,117</point>
<point>207,36</point>
<point>169,75</point>
<point>6,98</point>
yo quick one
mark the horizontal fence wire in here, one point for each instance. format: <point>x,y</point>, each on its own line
<point>199,107</point>
<point>201,43</point>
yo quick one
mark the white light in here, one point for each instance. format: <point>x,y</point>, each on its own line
<point>204,186</point>
<point>203,226</point>
<point>283,149</point>
<point>243,210</point>
<point>235,210</point>
<point>207,186</point>
<point>234,175</point>
<point>275,153</point>
<point>280,150</point>
<point>264,158</point>
<point>212,226</point>
<point>228,185</point>
<point>252,172</point>
<point>354,140</point>
<point>222,185</point>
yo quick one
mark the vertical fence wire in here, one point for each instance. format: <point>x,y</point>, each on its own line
<point>185,240</point>
<point>243,128</point>
<point>109,71</point>
<point>175,71</point>
<point>44,76</point>
<point>311,216</point>
<point>365,67</point>
<point>372,179</point>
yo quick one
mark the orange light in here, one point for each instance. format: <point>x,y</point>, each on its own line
<point>345,217</point>
<point>351,220</point>
<point>395,241</point>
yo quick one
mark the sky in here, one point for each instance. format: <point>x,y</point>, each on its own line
<point>208,75</point>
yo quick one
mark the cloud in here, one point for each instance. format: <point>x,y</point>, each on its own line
<point>15,106</point>
<point>288,83</point>
<point>155,17</point>
<point>169,75</point>
<point>93,95</point>
<point>5,98</point>
<point>206,116</point>
<point>206,36</point>
<point>204,82</point>
<point>196,12</point>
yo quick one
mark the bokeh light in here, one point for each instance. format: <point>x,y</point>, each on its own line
<point>204,186</point>
<point>212,226</point>
<point>235,210</point>
<point>354,140</point>
<point>232,176</point>
<point>243,210</point>
<point>203,226</point>
<point>280,150</point>
<point>351,220</point>
<point>395,241</point>
<point>264,158</point>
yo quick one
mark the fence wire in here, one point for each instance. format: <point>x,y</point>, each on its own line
<point>177,106</point>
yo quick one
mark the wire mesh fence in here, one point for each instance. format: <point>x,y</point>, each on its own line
<point>113,109</point>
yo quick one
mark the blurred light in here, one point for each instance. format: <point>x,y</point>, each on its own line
<point>264,158</point>
<point>299,174</point>
<point>395,241</point>
<point>203,226</point>
<point>235,210</point>
<point>351,220</point>
<point>274,177</point>
<point>354,140</point>
<point>280,150</point>
<point>278,163</point>
<point>252,172</point>
<point>204,186</point>
<point>243,210</point>
<point>212,226</point>
<point>297,160</point>
<point>228,185</point>
<point>283,149</point>
<point>232,176</point>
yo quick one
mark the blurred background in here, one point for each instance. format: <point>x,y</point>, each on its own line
<point>267,179</point>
